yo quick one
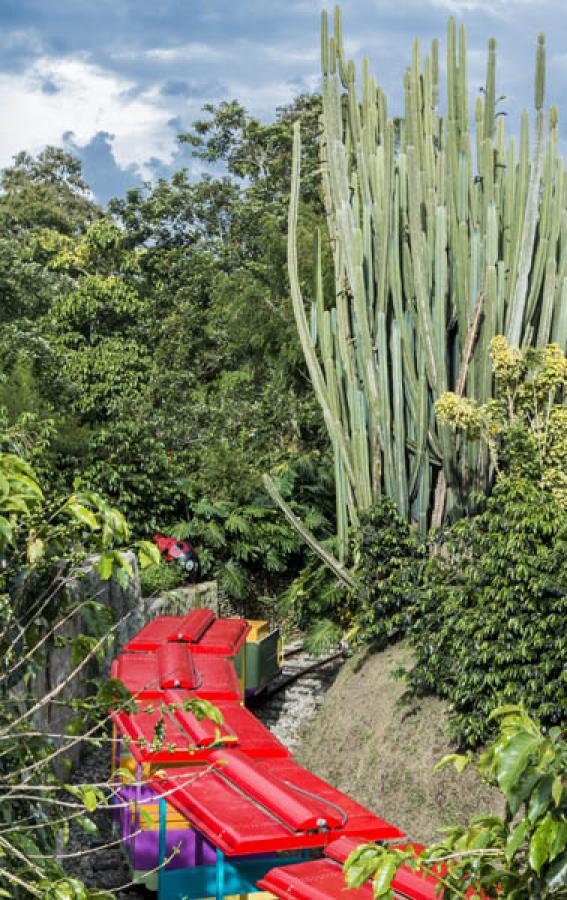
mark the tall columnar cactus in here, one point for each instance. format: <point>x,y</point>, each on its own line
<point>442,238</point>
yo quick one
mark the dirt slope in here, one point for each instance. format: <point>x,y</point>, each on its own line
<point>383,755</point>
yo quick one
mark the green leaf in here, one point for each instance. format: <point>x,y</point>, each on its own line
<point>89,799</point>
<point>5,529</point>
<point>123,563</point>
<point>105,566</point>
<point>145,817</point>
<point>540,799</point>
<point>64,891</point>
<point>557,790</point>
<point>384,875</point>
<point>16,504</point>
<point>516,838</point>
<point>31,484</point>
<point>542,842</point>
<point>148,554</point>
<point>556,875</point>
<point>513,759</point>
<point>560,839</point>
<point>121,577</point>
<point>87,825</point>
<point>459,760</point>
<point>83,515</point>
<point>203,709</point>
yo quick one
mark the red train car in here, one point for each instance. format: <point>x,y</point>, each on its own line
<point>216,806</point>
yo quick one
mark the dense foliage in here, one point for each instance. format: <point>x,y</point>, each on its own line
<point>389,557</point>
<point>153,343</point>
<point>43,544</point>
<point>520,856</point>
<point>489,627</point>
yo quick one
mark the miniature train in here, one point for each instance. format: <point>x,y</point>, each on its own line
<point>219,811</point>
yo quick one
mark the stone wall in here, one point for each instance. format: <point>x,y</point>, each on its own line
<point>125,603</point>
<point>131,611</point>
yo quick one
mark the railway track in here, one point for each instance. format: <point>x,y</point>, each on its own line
<point>293,698</point>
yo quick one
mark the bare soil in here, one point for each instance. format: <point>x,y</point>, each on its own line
<point>382,753</point>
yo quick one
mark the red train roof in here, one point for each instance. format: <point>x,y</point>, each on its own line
<point>323,879</point>
<point>157,736</point>
<point>199,628</point>
<point>246,806</point>
<point>250,796</point>
<point>156,632</point>
<point>407,883</point>
<point>320,879</point>
<point>183,738</point>
<point>193,626</point>
<point>141,673</point>
<point>224,636</point>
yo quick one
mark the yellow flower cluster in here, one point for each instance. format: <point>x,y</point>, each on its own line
<point>458,412</point>
<point>507,362</point>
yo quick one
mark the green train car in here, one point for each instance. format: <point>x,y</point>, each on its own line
<point>261,657</point>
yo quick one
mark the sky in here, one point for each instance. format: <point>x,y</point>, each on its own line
<point>115,81</point>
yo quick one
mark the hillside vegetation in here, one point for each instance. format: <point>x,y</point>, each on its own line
<point>335,362</point>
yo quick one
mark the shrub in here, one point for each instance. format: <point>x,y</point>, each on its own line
<point>489,626</point>
<point>161,577</point>
<point>316,602</point>
<point>389,557</point>
<point>43,546</point>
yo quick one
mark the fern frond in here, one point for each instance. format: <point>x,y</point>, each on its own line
<point>210,510</point>
<point>181,531</point>
<point>237,523</point>
<point>233,579</point>
<point>322,636</point>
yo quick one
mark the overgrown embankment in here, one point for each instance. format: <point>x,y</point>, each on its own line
<point>383,754</point>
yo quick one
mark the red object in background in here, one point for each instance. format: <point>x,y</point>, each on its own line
<point>177,551</point>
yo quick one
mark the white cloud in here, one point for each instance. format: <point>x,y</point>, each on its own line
<point>88,99</point>
<point>239,50</point>
<point>262,99</point>
<point>286,55</point>
<point>188,53</point>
